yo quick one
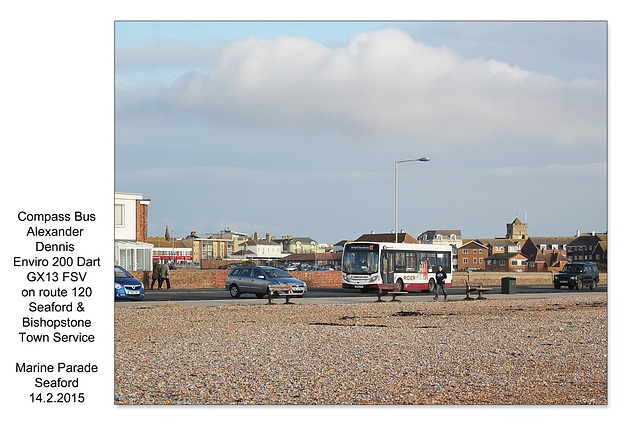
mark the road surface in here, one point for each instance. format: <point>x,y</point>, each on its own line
<point>333,296</point>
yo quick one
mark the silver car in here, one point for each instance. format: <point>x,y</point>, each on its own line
<point>254,280</point>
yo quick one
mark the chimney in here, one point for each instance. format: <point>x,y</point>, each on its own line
<point>373,232</point>
<point>268,237</point>
<point>255,236</point>
<point>578,233</point>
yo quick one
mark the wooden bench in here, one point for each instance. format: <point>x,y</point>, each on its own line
<point>476,286</point>
<point>389,289</point>
<point>273,289</point>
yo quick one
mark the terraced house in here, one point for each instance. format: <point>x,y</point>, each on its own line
<point>261,250</point>
<point>546,253</point>
<point>508,261</point>
<point>299,245</point>
<point>517,252</point>
<point>472,255</point>
<point>588,247</point>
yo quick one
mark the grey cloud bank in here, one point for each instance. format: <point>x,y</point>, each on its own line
<point>382,85</point>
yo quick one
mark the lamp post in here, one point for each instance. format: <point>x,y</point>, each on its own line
<point>421,159</point>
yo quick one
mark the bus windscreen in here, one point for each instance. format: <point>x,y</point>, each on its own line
<point>361,259</point>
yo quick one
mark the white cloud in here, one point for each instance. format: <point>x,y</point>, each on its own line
<point>386,86</point>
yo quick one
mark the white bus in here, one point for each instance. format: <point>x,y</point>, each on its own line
<point>412,266</point>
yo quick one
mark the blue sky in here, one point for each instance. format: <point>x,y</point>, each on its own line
<point>294,127</point>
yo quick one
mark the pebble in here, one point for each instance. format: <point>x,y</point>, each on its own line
<point>507,351</point>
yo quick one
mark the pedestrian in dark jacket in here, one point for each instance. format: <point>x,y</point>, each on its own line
<point>440,277</point>
<point>155,275</point>
<point>164,275</point>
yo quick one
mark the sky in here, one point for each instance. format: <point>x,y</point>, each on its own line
<point>295,127</point>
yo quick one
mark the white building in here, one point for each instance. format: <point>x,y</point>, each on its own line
<point>131,251</point>
<point>176,252</point>
<point>442,237</point>
<point>261,249</point>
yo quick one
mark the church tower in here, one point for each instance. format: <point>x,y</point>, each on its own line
<point>517,230</point>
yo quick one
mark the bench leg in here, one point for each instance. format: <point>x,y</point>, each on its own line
<point>288,302</point>
<point>379,297</point>
<point>468,297</point>
<point>270,294</point>
<point>480,295</point>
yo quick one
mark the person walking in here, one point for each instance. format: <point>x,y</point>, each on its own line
<point>155,275</point>
<point>164,275</point>
<point>440,277</point>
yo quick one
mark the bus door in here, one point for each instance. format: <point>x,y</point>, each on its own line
<point>387,268</point>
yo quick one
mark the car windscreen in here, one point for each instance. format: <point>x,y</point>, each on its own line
<point>572,268</point>
<point>121,273</point>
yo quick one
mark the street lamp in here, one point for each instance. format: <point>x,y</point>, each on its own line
<point>421,159</point>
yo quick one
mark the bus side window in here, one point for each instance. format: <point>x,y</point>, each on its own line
<point>400,262</point>
<point>431,259</point>
<point>411,261</point>
<point>444,260</point>
<point>422,258</point>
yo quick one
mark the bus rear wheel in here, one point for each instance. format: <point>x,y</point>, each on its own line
<point>432,285</point>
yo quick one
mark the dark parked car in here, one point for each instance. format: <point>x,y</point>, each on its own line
<point>254,280</point>
<point>576,275</point>
<point>127,286</point>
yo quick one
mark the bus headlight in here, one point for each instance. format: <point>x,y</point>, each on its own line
<point>373,278</point>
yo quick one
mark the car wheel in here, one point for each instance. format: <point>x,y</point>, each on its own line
<point>260,295</point>
<point>579,284</point>
<point>234,291</point>
<point>432,285</point>
<point>557,285</point>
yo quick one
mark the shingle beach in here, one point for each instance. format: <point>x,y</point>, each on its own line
<point>501,351</point>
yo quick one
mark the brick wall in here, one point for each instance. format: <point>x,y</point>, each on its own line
<point>495,278</point>
<point>193,279</point>
<point>141,221</point>
<point>215,263</point>
<point>319,279</point>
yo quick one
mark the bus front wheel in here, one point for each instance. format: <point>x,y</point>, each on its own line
<point>400,285</point>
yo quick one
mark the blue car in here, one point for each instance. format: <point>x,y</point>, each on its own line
<point>127,286</point>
